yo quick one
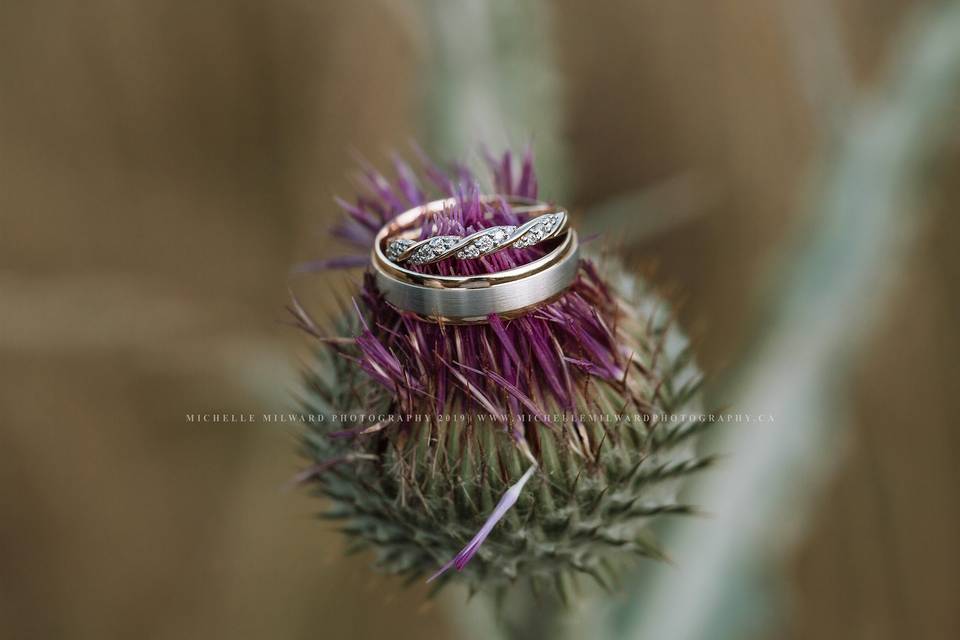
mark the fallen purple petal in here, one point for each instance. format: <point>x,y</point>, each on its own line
<point>506,502</point>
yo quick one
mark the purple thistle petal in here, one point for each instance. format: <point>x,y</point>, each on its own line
<point>363,321</point>
<point>340,262</point>
<point>604,358</point>
<point>313,471</point>
<point>360,214</point>
<point>379,362</point>
<point>516,393</point>
<point>544,356</point>
<point>379,184</point>
<point>506,173</point>
<point>587,366</point>
<point>360,431</point>
<point>441,389</point>
<point>302,319</point>
<point>462,173</point>
<point>434,174</point>
<point>506,502</point>
<point>512,402</point>
<point>591,273</point>
<point>505,341</point>
<point>509,216</point>
<point>564,369</point>
<point>528,180</point>
<point>375,207</point>
<point>493,166</point>
<point>407,182</point>
<point>475,391</point>
<point>354,233</point>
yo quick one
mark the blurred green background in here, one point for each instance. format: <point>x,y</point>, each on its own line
<point>164,164</point>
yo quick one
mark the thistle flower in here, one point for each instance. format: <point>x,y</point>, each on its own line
<point>536,448</point>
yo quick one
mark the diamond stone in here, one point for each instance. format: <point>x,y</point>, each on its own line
<point>423,254</point>
<point>431,250</point>
<point>468,252</point>
<point>533,236</point>
<point>395,248</point>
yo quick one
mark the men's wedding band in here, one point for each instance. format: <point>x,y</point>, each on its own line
<point>482,295</point>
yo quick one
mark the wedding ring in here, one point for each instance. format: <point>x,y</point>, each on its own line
<point>479,244</point>
<point>471,299</point>
<point>403,222</point>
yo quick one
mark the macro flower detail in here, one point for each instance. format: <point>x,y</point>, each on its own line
<point>508,500</point>
<point>534,448</point>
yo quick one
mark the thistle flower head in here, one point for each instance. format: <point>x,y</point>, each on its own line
<point>527,448</point>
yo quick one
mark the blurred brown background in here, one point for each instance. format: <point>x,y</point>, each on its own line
<point>164,164</point>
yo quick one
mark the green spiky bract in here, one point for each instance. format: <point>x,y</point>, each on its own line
<point>416,490</point>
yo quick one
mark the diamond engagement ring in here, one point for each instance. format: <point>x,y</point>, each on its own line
<point>472,299</point>
<point>479,244</point>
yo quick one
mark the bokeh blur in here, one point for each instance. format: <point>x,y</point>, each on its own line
<point>164,165</point>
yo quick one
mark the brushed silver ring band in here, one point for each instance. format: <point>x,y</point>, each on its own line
<point>482,296</point>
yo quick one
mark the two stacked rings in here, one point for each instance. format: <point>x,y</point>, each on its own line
<point>471,299</point>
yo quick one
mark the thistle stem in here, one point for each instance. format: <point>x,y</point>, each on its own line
<point>798,368</point>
